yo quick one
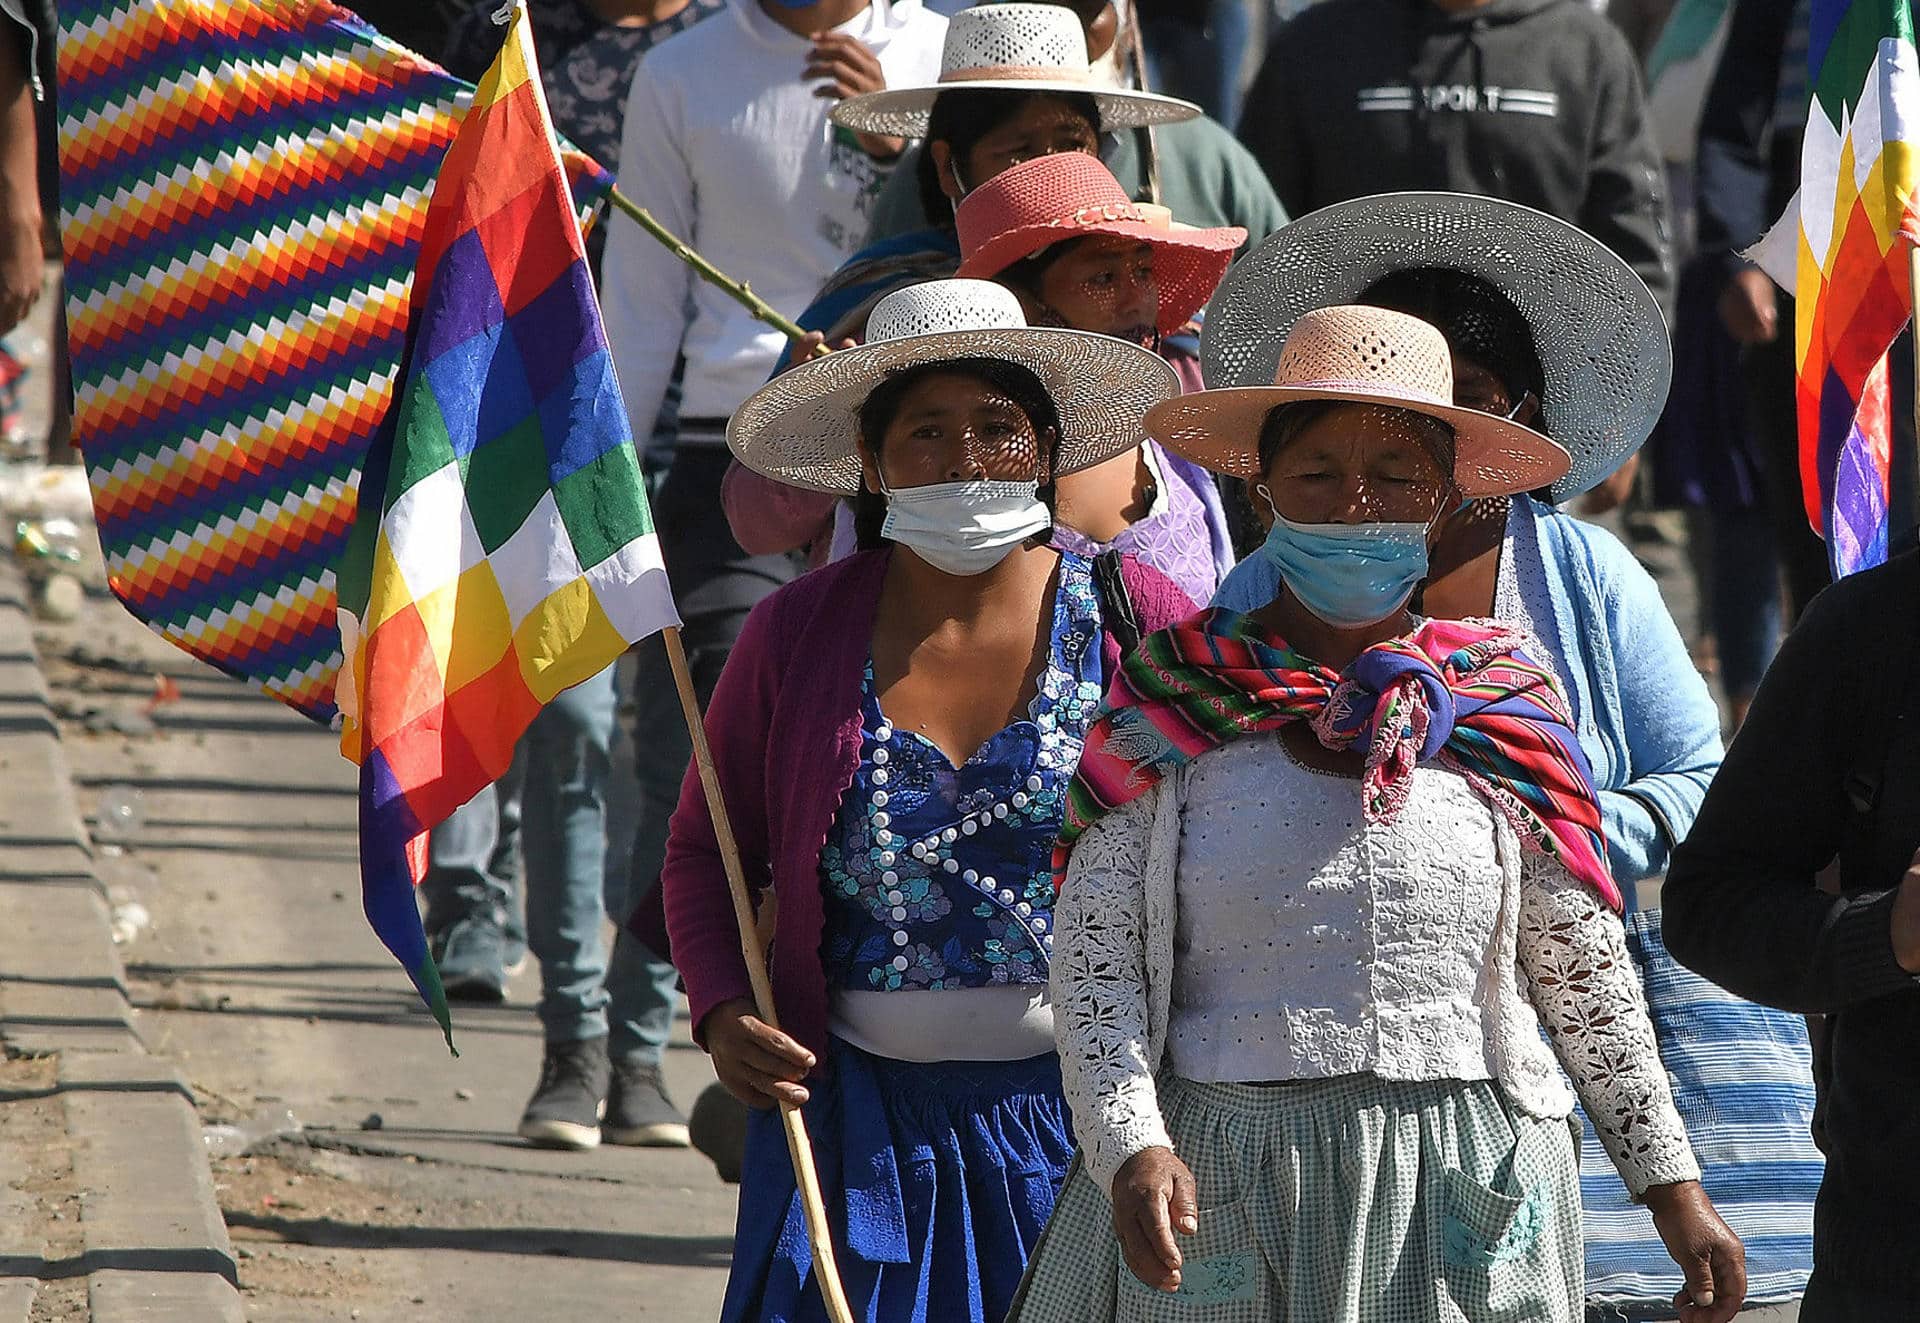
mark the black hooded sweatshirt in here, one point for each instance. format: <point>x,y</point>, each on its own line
<point>1536,101</point>
<point>1827,767</point>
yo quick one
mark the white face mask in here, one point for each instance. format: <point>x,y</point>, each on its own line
<point>968,527</point>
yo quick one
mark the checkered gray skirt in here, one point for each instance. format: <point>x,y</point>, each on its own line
<point>1334,1201</point>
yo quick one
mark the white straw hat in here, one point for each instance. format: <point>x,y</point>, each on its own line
<point>1360,355</point>
<point>800,427</point>
<point>1016,48</point>
<point>1599,335</point>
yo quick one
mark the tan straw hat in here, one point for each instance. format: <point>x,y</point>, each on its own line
<point>1009,48</point>
<point>800,427</point>
<point>1360,355</point>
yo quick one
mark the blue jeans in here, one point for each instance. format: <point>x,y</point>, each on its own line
<point>554,804</point>
<point>1744,598</point>
<point>1202,61</point>
<point>715,585</point>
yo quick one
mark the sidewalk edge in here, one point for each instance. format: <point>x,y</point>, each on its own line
<point>156,1243</point>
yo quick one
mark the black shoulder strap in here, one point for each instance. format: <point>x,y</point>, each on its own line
<point>1116,603</point>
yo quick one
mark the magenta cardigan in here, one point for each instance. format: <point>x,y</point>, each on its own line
<point>784,723</point>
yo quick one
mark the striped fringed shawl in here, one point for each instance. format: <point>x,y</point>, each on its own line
<point>1459,692</point>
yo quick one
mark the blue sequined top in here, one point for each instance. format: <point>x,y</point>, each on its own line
<point>939,877</point>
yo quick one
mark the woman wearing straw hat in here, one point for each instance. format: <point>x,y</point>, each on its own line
<point>1195,165</point>
<point>1546,326</point>
<point>1330,869</point>
<point>1014,84</point>
<point>1542,317</point>
<point>1061,233</point>
<point>894,734</point>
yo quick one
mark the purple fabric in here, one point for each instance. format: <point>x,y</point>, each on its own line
<point>1187,542</point>
<point>784,724</point>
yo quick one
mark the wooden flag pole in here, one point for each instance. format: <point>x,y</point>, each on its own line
<point>825,1269</point>
<point>738,290</point>
<point>1913,330</point>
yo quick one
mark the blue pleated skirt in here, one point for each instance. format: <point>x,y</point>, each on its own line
<point>938,1180</point>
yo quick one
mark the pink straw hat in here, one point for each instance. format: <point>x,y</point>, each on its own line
<point>1070,195</point>
<point>1360,355</point>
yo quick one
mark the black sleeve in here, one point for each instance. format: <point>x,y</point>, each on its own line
<point>1271,132</point>
<point>1741,903</point>
<point>1626,203</point>
<point>1736,129</point>
<point>473,44</point>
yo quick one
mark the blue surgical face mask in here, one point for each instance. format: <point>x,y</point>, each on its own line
<point>1349,575</point>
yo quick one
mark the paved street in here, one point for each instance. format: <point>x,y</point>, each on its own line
<point>261,980</point>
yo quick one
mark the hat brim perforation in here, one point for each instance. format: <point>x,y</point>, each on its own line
<point>1598,332</point>
<point>800,427</point>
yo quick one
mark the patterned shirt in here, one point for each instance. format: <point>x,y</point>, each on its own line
<point>940,877</point>
<point>1184,536</point>
<point>586,63</point>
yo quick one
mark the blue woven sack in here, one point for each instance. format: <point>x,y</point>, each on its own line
<point>1742,1077</point>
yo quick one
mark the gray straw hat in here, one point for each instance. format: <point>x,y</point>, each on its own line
<point>1599,335</point>
<point>800,427</point>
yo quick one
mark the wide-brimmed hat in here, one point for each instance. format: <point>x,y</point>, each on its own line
<point>1599,335</point>
<point>1011,48</point>
<point>1070,195</point>
<point>800,427</point>
<point>1360,355</point>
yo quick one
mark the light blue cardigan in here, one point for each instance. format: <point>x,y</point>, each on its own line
<point>1644,715</point>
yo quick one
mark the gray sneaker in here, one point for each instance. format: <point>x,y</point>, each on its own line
<point>471,954</point>
<point>569,1101</point>
<point>639,1113</point>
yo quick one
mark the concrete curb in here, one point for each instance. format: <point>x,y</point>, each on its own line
<point>156,1247</point>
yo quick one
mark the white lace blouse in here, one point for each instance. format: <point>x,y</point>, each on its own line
<point>1429,947</point>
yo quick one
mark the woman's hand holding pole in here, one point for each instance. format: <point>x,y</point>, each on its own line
<point>758,1064</point>
<point>757,1035</point>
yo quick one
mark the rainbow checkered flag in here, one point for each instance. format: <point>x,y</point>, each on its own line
<point>243,189</point>
<point>503,549</point>
<point>1844,247</point>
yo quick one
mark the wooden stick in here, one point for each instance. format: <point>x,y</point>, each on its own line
<point>738,290</point>
<point>1913,329</point>
<point>825,1271</point>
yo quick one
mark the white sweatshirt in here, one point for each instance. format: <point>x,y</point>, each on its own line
<point>730,150</point>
